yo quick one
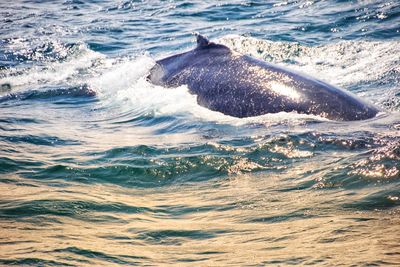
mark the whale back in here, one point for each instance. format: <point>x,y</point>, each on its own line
<point>242,86</point>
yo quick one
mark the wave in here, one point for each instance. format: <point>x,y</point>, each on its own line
<point>50,93</point>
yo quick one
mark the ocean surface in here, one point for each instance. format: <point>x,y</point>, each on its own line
<point>98,167</point>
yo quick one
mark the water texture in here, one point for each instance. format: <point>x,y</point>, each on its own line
<point>100,168</point>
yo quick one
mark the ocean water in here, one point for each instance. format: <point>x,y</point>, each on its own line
<point>100,168</point>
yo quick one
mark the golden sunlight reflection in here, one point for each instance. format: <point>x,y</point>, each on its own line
<point>188,222</point>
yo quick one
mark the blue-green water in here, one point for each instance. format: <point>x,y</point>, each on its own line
<point>99,167</point>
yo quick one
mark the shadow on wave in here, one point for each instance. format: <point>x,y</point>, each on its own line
<point>49,93</point>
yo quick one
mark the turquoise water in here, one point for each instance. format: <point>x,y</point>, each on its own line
<point>99,167</point>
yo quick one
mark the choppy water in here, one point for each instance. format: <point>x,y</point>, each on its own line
<point>99,167</point>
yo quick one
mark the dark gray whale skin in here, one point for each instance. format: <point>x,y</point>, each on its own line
<point>242,86</point>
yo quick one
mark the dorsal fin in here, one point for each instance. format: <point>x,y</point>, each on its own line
<point>204,43</point>
<point>201,40</point>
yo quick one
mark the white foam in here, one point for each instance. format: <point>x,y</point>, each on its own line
<point>120,76</point>
<point>69,71</point>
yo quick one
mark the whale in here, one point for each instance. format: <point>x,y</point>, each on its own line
<point>241,86</point>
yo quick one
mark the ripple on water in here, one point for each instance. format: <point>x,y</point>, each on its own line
<point>100,167</point>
